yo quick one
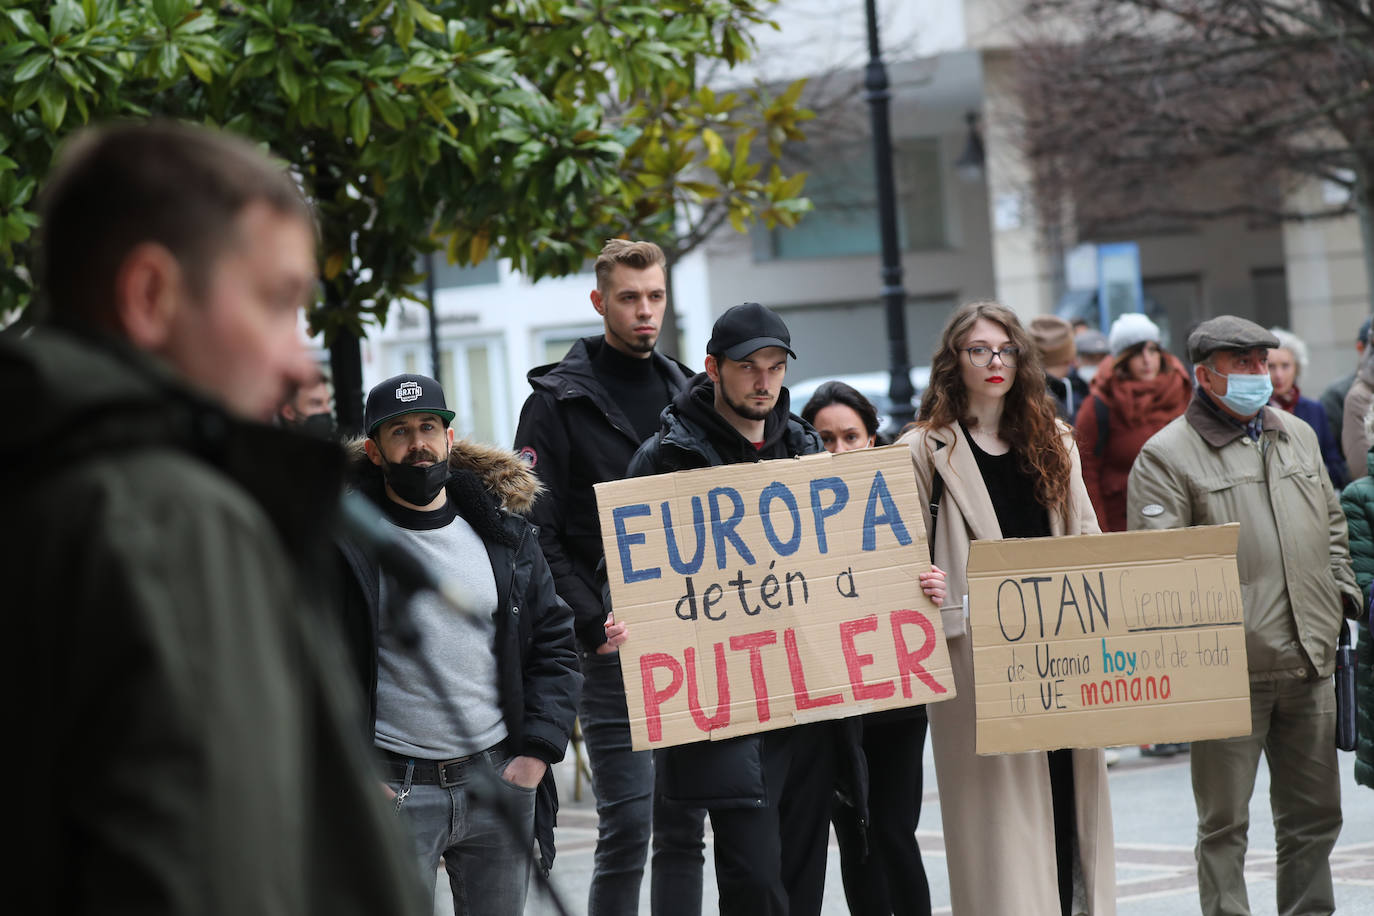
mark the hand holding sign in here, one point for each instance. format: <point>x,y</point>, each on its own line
<point>616,635</point>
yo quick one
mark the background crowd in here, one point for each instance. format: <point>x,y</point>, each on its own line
<point>253,694</point>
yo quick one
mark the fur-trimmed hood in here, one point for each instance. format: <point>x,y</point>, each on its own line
<point>508,479</point>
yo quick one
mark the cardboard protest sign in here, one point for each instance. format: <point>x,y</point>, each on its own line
<point>1105,639</point>
<point>767,594</point>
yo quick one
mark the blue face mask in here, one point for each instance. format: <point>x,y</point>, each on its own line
<point>1245,394</point>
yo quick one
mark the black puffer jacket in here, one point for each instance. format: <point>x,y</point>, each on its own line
<point>729,773</point>
<point>536,660</point>
<point>573,435</point>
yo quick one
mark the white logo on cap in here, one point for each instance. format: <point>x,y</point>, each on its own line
<point>1152,510</point>
<point>410,391</point>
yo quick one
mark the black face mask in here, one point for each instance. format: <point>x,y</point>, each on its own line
<point>318,425</point>
<point>416,485</point>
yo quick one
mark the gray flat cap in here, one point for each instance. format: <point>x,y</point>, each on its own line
<point>1227,332</point>
<point>1092,343</point>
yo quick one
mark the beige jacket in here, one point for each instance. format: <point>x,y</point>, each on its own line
<point>1293,560</point>
<point>1354,442</point>
<point>997,811</point>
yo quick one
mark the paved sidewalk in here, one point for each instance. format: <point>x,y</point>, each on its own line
<point>1152,807</point>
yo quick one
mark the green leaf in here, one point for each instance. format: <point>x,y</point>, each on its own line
<point>279,10</point>
<point>287,77</point>
<point>373,14</point>
<point>25,22</point>
<point>169,12</point>
<point>425,18</point>
<point>14,49</point>
<point>31,68</point>
<point>258,42</point>
<point>465,101</point>
<point>419,76</point>
<point>391,112</point>
<point>52,104</point>
<point>26,95</point>
<point>65,15</point>
<point>199,67</point>
<point>564,173</point>
<point>360,120</point>
<point>403,25</point>
<point>167,58</point>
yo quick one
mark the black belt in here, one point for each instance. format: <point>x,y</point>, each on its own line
<point>443,773</point>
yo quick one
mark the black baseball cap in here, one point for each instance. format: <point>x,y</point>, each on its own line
<point>402,394</point>
<point>742,329</point>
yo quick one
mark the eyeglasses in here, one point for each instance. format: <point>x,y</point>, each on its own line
<point>982,356</point>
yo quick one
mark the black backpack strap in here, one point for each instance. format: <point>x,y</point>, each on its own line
<point>1100,407</point>
<point>937,493</point>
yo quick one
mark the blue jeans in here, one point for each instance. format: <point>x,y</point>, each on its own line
<point>488,862</point>
<point>623,780</point>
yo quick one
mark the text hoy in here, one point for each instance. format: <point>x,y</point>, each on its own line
<point>684,671</point>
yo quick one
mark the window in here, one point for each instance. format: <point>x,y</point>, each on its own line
<point>551,346</point>
<point>449,276</point>
<point>472,371</point>
<point>845,219</point>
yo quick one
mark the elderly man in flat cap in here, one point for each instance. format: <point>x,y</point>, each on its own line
<point>1229,458</point>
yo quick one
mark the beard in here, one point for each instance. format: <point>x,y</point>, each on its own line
<point>637,343</point>
<point>749,411</point>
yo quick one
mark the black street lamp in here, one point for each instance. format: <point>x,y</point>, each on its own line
<point>900,390</point>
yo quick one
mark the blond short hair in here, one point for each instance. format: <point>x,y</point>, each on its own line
<point>638,255</point>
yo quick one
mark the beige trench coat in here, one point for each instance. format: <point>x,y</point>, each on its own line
<point>998,817</point>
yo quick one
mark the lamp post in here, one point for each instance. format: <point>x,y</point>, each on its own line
<point>433,318</point>
<point>893,294</point>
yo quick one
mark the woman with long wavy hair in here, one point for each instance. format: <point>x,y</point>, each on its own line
<point>1026,833</point>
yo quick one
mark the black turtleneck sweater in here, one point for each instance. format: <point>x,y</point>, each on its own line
<point>635,385</point>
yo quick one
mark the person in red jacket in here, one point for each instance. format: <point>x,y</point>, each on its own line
<point>1144,388</point>
<point>1135,393</point>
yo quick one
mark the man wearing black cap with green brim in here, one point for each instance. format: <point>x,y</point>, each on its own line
<point>768,794</point>
<point>504,658</point>
<point>1230,458</point>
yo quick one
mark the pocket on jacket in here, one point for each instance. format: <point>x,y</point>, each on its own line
<point>1221,498</point>
<point>705,774</point>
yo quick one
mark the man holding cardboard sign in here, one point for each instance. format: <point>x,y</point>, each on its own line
<point>743,547</point>
<point>1230,458</point>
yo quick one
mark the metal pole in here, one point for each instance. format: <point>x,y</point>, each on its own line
<point>894,294</point>
<point>433,318</point>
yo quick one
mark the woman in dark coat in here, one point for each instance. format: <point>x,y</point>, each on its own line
<point>1358,502</point>
<point>1286,363</point>
<point>887,877</point>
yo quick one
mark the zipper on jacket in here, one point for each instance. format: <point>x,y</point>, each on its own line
<point>515,559</point>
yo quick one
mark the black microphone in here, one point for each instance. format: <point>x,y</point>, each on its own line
<point>361,521</point>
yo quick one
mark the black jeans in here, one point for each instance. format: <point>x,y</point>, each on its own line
<point>770,861</point>
<point>891,880</point>
<point>623,780</point>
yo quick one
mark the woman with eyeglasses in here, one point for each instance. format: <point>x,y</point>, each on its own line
<point>1027,833</point>
<point>1145,388</point>
<point>882,870</point>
